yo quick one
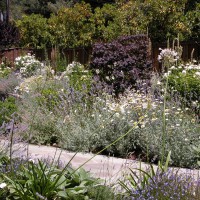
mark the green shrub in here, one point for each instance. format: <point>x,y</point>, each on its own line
<point>5,70</point>
<point>79,78</point>
<point>185,80</point>
<point>41,121</point>
<point>49,97</point>
<point>7,108</point>
<point>45,132</point>
<point>43,181</point>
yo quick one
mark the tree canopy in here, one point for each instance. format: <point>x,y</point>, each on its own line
<point>81,23</point>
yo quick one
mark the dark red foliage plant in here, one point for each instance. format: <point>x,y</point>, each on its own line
<point>122,62</point>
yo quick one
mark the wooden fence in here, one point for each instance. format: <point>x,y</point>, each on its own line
<point>83,55</point>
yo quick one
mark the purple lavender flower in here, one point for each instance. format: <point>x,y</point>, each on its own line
<point>165,186</point>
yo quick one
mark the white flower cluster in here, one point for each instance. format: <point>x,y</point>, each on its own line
<point>188,68</point>
<point>197,74</point>
<point>132,102</point>
<point>46,72</point>
<point>74,66</point>
<point>168,55</point>
<point>3,185</point>
<point>28,65</point>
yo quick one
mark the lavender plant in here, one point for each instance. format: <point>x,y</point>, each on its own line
<point>7,86</point>
<point>167,185</point>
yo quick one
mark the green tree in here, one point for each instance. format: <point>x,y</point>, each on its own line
<point>193,18</point>
<point>72,27</point>
<point>190,5</point>
<point>165,19</point>
<point>105,22</point>
<point>34,31</point>
<point>37,7</point>
<point>99,3</point>
<point>55,7</point>
<point>43,7</point>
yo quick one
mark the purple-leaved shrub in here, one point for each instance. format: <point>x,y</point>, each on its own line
<point>122,62</point>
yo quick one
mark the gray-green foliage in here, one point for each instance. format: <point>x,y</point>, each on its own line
<point>81,120</point>
<point>181,133</point>
<point>7,85</point>
<point>84,123</point>
<point>99,129</point>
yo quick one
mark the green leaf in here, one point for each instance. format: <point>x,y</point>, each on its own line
<point>62,194</point>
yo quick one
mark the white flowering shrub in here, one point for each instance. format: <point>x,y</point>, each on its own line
<point>74,75</point>
<point>132,102</point>
<point>28,65</point>
<point>74,67</point>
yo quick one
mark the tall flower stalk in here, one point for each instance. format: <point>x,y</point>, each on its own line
<point>168,57</point>
<point>164,127</point>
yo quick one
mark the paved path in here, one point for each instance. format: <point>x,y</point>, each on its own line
<point>108,168</point>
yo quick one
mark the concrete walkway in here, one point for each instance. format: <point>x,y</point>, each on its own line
<point>108,168</point>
